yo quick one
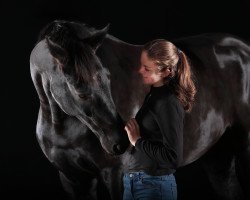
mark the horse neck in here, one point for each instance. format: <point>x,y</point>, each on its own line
<point>123,61</point>
<point>124,56</point>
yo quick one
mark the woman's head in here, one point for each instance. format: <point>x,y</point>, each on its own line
<point>163,63</point>
<point>159,60</point>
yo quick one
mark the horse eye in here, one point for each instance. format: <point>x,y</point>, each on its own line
<point>84,97</point>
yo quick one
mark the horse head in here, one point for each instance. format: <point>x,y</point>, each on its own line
<point>79,84</point>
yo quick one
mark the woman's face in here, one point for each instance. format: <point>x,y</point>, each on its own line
<point>150,72</point>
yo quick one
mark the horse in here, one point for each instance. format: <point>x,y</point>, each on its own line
<point>88,86</point>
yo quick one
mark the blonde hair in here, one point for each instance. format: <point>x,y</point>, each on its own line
<point>180,80</point>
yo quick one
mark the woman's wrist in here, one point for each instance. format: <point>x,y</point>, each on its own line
<point>137,141</point>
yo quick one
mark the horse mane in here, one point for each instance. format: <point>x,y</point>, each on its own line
<point>65,41</point>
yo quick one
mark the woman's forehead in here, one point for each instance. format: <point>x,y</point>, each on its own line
<point>145,60</point>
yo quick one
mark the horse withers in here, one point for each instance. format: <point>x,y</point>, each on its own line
<point>84,77</point>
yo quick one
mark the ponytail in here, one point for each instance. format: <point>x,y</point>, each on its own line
<point>184,86</point>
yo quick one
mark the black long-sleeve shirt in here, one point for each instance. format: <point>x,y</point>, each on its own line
<point>161,118</point>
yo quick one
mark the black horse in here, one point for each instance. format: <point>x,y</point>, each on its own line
<point>84,77</point>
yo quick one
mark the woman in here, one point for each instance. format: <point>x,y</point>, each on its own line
<point>156,133</point>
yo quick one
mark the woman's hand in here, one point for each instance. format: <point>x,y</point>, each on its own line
<point>133,130</point>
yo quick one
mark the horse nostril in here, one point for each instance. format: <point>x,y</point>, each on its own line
<point>117,148</point>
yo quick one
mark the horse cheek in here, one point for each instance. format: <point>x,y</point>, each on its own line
<point>63,97</point>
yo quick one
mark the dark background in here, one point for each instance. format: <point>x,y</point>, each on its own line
<point>25,171</point>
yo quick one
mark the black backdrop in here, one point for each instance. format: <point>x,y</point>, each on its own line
<point>25,171</point>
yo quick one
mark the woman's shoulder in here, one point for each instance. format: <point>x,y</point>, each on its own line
<point>165,101</point>
<point>161,99</point>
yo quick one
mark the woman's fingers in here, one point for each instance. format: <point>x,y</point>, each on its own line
<point>126,128</point>
<point>130,124</point>
<point>135,124</point>
<point>132,129</point>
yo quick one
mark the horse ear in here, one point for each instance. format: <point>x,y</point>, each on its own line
<point>96,39</point>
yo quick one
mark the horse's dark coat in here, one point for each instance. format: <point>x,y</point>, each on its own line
<point>85,77</point>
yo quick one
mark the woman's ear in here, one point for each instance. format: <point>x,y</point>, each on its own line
<point>166,72</point>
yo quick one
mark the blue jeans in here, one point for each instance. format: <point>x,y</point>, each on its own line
<point>141,186</point>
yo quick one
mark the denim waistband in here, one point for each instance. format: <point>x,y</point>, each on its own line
<point>141,174</point>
